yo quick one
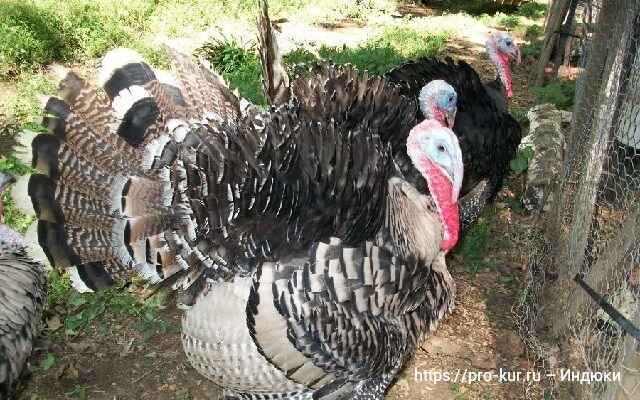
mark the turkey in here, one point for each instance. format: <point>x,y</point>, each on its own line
<point>500,47</point>
<point>316,92</point>
<point>22,297</point>
<point>315,268</point>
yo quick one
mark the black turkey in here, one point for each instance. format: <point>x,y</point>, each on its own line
<point>315,267</point>
<point>321,92</point>
<point>22,297</point>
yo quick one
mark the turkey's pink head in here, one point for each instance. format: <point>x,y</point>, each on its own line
<point>501,46</point>
<point>435,152</point>
<point>438,101</point>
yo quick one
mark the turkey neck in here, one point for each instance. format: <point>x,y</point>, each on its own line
<point>418,224</point>
<point>501,65</point>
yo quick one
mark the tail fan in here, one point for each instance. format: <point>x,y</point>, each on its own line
<point>112,194</point>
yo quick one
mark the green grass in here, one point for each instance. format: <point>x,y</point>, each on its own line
<point>474,244</point>
<point>239,64</point>
<point>390,48</point>
<point>37,32</point>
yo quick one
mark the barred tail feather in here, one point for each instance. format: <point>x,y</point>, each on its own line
<point>110,193</point>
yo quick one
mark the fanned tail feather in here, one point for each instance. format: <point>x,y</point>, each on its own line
<point>111,193</point>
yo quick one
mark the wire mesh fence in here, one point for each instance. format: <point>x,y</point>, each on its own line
<point>593,230</point>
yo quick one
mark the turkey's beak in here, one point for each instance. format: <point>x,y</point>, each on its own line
<point>450,118</point>
<point>455,174</point>
<point>516,55</point>
<point>458,173</point>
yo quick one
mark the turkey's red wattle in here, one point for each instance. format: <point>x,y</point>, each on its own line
<point>500,61</point>
<point>441,187</point>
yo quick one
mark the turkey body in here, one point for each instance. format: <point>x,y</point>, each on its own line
<point>314,266</point>
<point>489,136</point>
<point>22,297</point>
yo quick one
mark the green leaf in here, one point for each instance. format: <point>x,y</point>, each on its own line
<point>506,279</point>
<point>48,362</point>
<point>518,165</point>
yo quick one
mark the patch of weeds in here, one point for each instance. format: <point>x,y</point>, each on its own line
<point>559,93</point>
<point>299,57</point>
<point>84,309</point>
<point>11,215</point>
<point>24,107</point>
<point>390,48</point>
<point>474,244</point>
<point>506,279</point>
<point>239,64</point>
<point>515,203</point>
<point>532,10</point>
<point>521,162</point>
<point>500,19</point>
<point>533,32</point>
<point>531,49</point>
<point>150,324</point>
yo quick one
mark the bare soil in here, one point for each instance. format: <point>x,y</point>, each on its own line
<point>108,360</point>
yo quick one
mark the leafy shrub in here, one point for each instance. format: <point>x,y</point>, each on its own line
<point>239,64</point>
<point>531,49</point>
<point>533,32</point>
<point>532,10</point>
<point>560,93</point>
<point>521,162</point>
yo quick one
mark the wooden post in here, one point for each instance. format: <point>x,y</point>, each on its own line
<point>554,22</point>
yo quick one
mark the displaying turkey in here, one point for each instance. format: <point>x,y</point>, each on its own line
<point>22,297</point>
<point>317,91</point>
<point>316,267</point>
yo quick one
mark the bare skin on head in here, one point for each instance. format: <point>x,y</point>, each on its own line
<point>501,47</point>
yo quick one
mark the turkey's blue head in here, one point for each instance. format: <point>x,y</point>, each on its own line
<point>435,152</point>
<point>501,47</point>
<point>438,101</point>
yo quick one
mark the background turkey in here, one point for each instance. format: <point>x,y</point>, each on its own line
<point>337,91</point>
<point>234,207</point>
<point>22,297</point>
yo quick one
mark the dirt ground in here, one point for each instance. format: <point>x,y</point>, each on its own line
<point>108,361</point>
